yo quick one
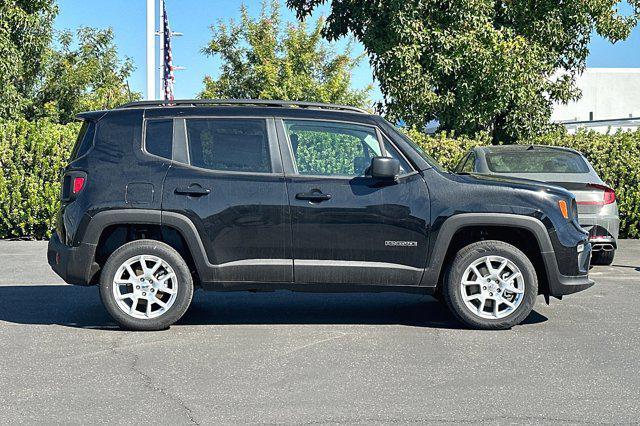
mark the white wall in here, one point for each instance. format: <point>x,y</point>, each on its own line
<point>608,93</point>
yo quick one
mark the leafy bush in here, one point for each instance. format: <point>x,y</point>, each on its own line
<point>615,157</point>
<point>31,156</point>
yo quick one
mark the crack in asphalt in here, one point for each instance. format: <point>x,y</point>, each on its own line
<point>423,420</point>
<point>149,382</point>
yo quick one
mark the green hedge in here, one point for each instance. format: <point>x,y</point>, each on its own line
<point>615,157</point>
<point>31,156</point>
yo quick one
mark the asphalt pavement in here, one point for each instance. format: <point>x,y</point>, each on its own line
<point>315,358</point>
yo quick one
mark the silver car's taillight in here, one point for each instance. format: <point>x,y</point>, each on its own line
<point>609,196</point>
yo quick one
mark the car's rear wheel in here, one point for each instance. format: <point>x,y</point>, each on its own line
<point>146,285</point>
<point>490,285</point>
<point>603,257</point>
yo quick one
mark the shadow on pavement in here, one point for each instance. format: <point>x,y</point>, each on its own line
<point>81,307</point>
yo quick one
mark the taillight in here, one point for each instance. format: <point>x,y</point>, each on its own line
<point>608,197</point>
<point>73,183</point>
<point>78,184</point>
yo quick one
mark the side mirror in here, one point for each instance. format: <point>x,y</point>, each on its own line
<point>384,168</point>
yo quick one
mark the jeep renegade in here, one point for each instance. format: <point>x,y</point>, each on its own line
<point>158,200</point>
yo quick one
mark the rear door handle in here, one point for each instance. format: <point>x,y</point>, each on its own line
<point>193,191</point>
<point>314,196</point>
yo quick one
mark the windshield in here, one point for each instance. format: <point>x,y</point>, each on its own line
<point>536,161</point>
<point>432,162</point>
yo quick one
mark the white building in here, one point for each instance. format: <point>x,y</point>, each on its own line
<point>610,101</point>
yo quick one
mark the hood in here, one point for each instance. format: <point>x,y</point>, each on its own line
<point>513,182</point>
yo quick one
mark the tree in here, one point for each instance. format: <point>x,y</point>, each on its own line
<point>25,33</point>
<point>88,77</point>
<point>263,59</point>
<point>475,65</point>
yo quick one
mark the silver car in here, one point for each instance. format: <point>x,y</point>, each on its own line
<point>597,207</point>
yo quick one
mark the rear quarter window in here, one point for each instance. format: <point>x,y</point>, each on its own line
<point>159,138</point>
<point>84,142</point>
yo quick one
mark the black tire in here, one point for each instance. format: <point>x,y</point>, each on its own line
<point>602,257</point>
<point>452,292</point>
<point>165,252</point>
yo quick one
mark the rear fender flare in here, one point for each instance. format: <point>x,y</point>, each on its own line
<point>181,223</point>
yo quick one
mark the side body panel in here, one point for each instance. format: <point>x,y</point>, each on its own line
<point>370,231</point>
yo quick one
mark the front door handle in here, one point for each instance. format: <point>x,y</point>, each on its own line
<point>193,191</point>
<point>313,196</point>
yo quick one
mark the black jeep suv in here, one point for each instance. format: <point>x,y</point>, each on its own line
<point>261,195</point>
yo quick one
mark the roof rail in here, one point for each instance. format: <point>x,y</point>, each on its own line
<point>256,102</point>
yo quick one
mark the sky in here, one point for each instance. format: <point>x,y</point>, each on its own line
<point>194,17</point>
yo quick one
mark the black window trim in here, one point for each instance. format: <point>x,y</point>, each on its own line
<point>182,145</point>
<point>291,163</point>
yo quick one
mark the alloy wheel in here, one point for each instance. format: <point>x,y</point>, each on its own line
<point>492,287</point>
<point>145,287</point>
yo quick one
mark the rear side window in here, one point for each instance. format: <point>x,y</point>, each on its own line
<point>230,144</point>
<point>159,138</point>
<point>84,142</point>
<point>536,161</point>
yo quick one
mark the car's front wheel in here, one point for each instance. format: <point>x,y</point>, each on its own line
<point>490,285</point>
<point>146,285</point>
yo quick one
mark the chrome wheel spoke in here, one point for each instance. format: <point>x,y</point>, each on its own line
<point>160,303</point>
<point>481,306</point>
<point>126,296</point>
<point>489,266</point>
<point>134,305</point>
<point>476,272</point>
<point>132,274</point>
<point>507,302</point>
<point>502,266</point>
<point>471,297</point>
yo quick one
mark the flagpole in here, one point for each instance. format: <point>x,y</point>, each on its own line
<point>151,50</point>
<point>162,35</point>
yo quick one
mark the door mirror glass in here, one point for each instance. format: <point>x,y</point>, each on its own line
<point>384,167</point>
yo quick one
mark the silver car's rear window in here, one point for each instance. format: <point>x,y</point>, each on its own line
<point>536,161</point>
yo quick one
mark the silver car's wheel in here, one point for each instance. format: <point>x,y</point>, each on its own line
<point>492,287</point>
<point>145,287</point>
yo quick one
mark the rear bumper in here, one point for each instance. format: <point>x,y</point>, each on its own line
<point>73,264</point>
<point>561,285</point>
<point>601,227</point>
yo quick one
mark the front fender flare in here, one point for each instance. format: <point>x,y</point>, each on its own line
<point>453,224</point>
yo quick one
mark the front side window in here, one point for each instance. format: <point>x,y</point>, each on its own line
<point>229,144</point>
<point>334,149</point>
<point>158,137</point>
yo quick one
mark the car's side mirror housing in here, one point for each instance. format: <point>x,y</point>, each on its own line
<point>384,168</point>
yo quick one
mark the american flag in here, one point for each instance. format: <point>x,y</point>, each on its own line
<point>167,68</point>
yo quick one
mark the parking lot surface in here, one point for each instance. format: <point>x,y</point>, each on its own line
<point>315,358</point>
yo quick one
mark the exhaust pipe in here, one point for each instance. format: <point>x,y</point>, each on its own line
<point>603,247</point>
